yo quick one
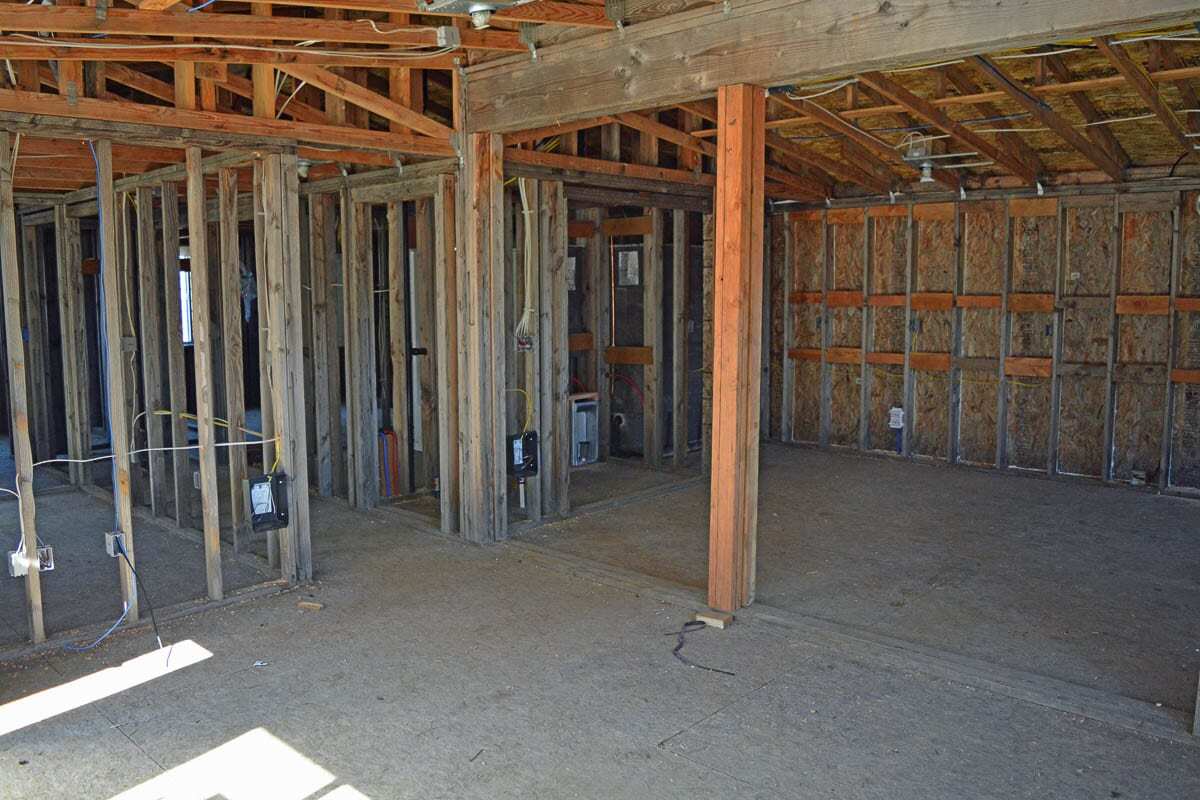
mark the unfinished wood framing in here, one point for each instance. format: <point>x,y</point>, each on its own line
<point>359,286</point>
<point>230,270</point>
<point>202,325</point>
<point>733,516</point>
<point>71,316</point>
<point>18,395</point>
<point>150,327</point>
<point>398,336</point>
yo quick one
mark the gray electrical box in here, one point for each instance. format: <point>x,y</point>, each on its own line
<point>585,428</point>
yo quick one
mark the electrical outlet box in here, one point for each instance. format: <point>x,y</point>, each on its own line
<point>196,479</point>
<point>110,543</point>
<point>18,566</point>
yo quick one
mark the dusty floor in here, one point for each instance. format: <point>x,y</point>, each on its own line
<point>440,670</point>
<point>83,588</point>
<point>617,478</point>
<point>1091,584</point>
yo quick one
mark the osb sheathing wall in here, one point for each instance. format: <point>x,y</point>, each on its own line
<point>1054,335</point>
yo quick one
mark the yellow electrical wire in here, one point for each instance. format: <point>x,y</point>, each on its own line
<point>528,408</point>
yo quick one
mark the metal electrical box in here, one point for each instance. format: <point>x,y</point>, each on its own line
<point>585,428</point>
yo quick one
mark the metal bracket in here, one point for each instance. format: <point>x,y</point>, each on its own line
<point>525,34</point>
<point>101,10</point>
<point>615,11</point>
<point>448,36</point>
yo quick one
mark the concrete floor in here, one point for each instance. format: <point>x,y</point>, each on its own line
<point>1087,583</point>
<point>617,478</point>
<point>83,588</point>
<point>440,670</point>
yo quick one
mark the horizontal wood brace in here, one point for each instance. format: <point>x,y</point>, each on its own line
<point>629,355</point>
<point>932,301</point>
<point>805,354</point>
<point>1185,376</point>
<point>1187,303</point>
<point>887,300</point>
<point>846,216</point>
<point>1028,302</point>
<point>844,299</point>
<point>581,229</point>
<point>934,212</point>
<point>1033,207</point>
<point>843,355</point>
<point>628,226</point>
<point>580,342</point>
<point>978,301</point>
<point>1029,367</point>
<point>806,298</point>
<point>930,362</point>
<point>1143,304</point>
<point>895,359</point>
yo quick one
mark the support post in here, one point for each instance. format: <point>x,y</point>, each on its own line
<point>398,331</point>
<point>359,285</point>
<point>115,357</point>
<point>181,470</point>
<point>151,328</point>
<point>71,318</point>
<point>324,338</point>
<point>235,385</point>
<point>739,207</point>
<point>202,353</point>
<point>484,512</point>
<point>445,275</point>
<point>424,291</point>
<point>679,336</point>
<point>33,282</point>
<point>281,204</point>
<point>18,391</point>
<point>554,350</point>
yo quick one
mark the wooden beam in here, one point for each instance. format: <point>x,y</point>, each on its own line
<point>1042,112</point>
<point>326,404</point>
<point>281,225</point>
<point>425,297</point>
<point>238,27</point>
<point>733,516</point>
<point>868,141</point>
<point>840,169</point>
<point>203,359</point>
<point>922,108</point>
<point>538,11</point>
<point>1014,142</point>
<point>652,127</point>
<point>687,56</point>
<point>18,394</point>
<point>484,513</point>
<point>37,341</point>
<point>549,131</point>
<point>398,345</point>
<point>363,97</point>
<point>601,167</point>
<point>74,51</point>
<point>1102,135</point>
<point>29,107</point>
<point>1141,83</point>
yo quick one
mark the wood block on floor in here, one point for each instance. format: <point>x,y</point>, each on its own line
<point>714,619</point>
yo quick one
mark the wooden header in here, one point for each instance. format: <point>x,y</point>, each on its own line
<point>1033,207</point>
<point>887,300</point>
<point>933,301</point>
<point>805,354</point>
<point>887,211</point>
<point>843,355</point>
<point>852,298</point>
<point>580,342</point>
<point>934,212</point>
<point>845,216</point>
<point>629,355</point>
<point>581,229</point>
<point>896,359</point>
<point>628,226</point>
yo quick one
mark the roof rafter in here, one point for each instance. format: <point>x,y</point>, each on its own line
<point>365,98</point>
<point>1042,111</point>
<point>1138,78</point>
<point>1013,141</point>
<point>927,111</point>
<point>1100,134</point>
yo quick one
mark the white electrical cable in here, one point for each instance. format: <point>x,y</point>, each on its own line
<point>15,40</point>
<point>527,326</point>
<point>830,90</point>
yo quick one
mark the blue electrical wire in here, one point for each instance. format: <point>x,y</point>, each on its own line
<point>205,4</point>
<point>75,648</point>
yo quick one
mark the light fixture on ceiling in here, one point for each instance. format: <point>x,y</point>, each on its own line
<point>918,150</point>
